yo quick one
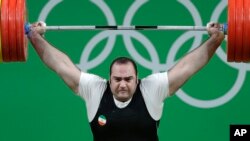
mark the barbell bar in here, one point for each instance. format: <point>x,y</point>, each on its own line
<point>122,27</point>
<point>13,27</point>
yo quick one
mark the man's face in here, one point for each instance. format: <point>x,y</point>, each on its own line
<point>123,81</point>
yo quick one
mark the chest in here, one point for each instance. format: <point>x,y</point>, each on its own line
<point>133,117</point>
<point>132,121</point>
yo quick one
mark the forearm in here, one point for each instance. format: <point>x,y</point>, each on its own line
<point>200,56</point>
<point>193,62</point>
<point>48,54</point>
<point>56,60</point>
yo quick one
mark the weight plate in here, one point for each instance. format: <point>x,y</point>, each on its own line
<point>231,31</point>
<point>4,25</point>
<point>246,33</point>
<point>239,18</point>
<point>12,30</point>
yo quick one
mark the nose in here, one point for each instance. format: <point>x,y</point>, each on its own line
<point>123,84</point>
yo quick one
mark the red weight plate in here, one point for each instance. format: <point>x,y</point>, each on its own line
<point>18,30</point>
<point>231,31</point>
<point>1,56</point>
<point>239,30</point>
<point>12,30</point>
<point>4,26</point>
<point>20,22</point>
<point>25,40</point>
<point>246,34</point>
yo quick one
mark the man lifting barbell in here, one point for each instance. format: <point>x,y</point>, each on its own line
<point>124,107</point>
<point>14,44</point>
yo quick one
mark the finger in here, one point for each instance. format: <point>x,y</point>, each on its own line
<point>210,24</point>
<point>41,23</point>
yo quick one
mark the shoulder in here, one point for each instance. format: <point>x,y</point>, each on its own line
<point>159,77</point>
<point>90,83</point>
<point>88,78</point>
<point>155,87</point>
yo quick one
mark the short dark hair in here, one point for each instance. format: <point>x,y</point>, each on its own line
<point>122,60</point>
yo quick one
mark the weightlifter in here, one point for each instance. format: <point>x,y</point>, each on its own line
<point>124,108</point>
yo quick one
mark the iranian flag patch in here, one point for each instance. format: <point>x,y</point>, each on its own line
<point>102,120</point>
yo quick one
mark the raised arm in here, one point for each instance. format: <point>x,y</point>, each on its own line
<point>196,59</point>
<point>53,58</point>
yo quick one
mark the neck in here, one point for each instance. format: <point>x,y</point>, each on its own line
<point>121,104</point>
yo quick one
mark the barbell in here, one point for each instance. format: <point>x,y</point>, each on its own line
<point>13,26</point>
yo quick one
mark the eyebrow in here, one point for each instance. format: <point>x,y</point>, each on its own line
<point>126,78</point>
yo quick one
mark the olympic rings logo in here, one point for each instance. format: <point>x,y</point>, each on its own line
<point>155,64</point>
